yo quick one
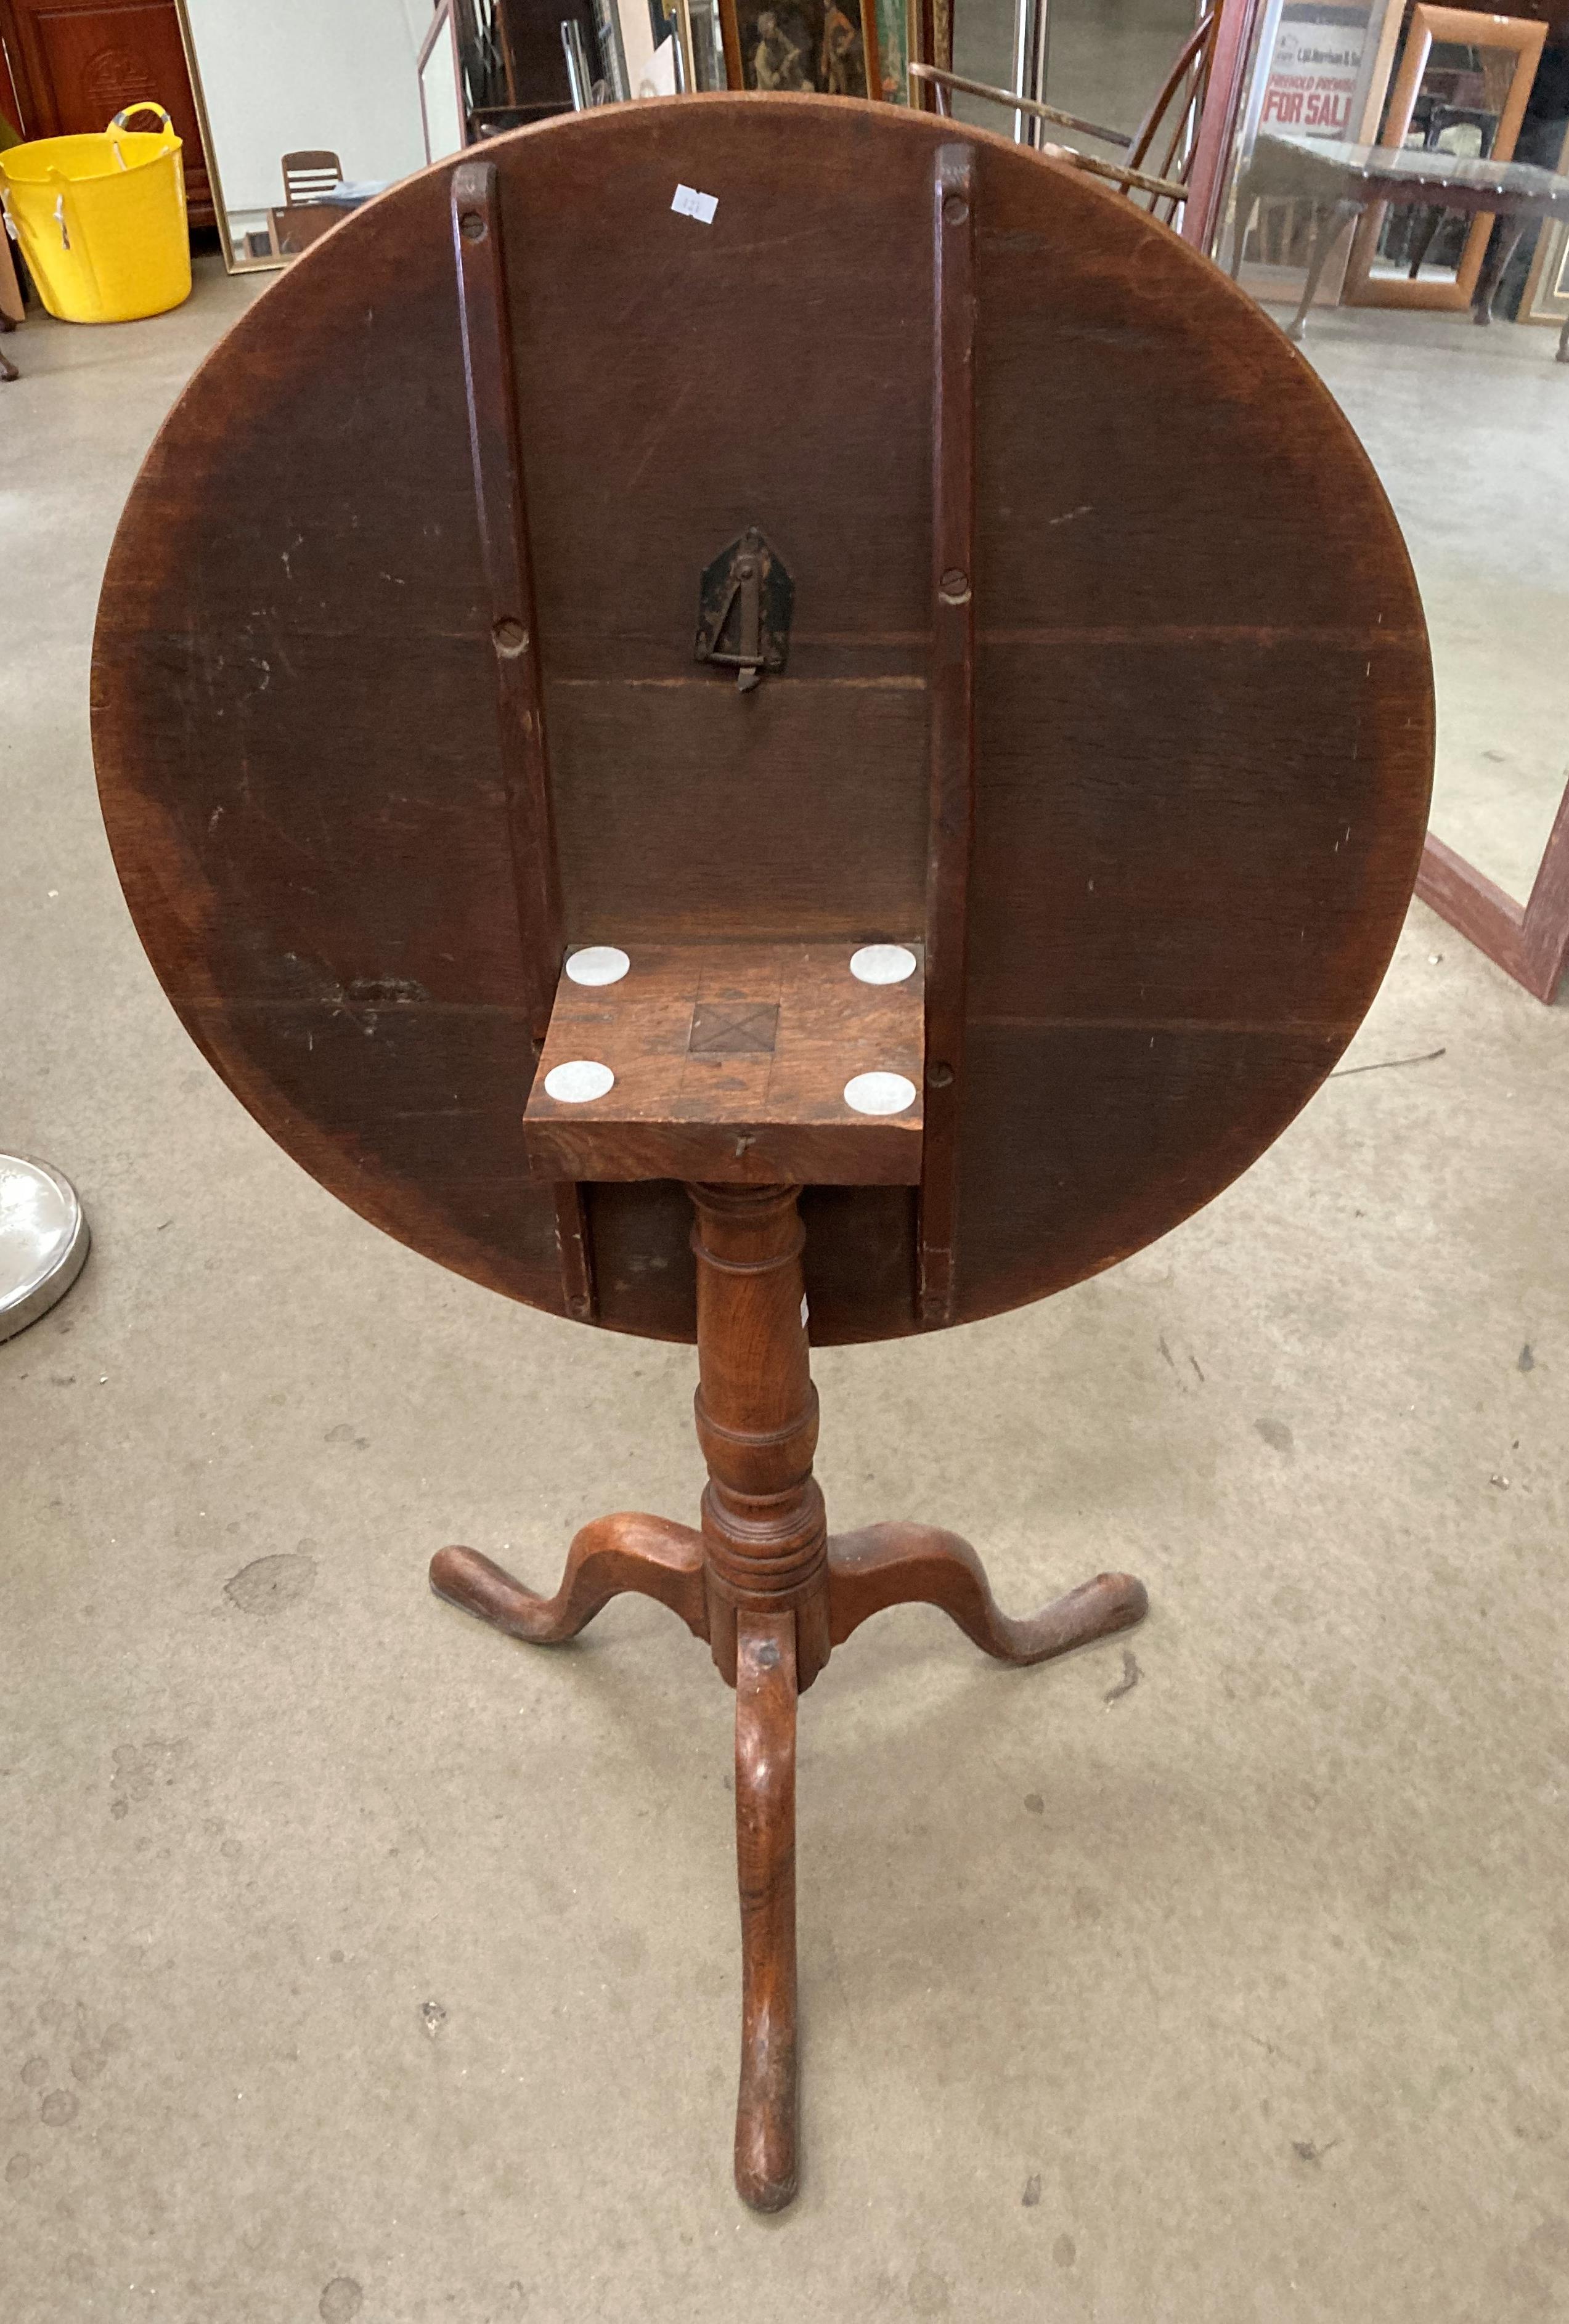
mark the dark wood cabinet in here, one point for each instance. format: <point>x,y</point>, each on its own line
<point>75,63</point>
<point>532,33</point>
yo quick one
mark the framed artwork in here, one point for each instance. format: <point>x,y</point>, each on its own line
<point>937,31</point>
<point>826,45</point>
<point>893,51</point>
<point>707,44</point>
<point>1545,297</point>
<point>1476,90</point>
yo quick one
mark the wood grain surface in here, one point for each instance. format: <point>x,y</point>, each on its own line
<point>731,1063</point>
<point>1202,692</point>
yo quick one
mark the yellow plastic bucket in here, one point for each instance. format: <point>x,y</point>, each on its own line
<point>101,220</point>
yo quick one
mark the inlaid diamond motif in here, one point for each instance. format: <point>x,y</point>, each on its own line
<point>731,1029</point>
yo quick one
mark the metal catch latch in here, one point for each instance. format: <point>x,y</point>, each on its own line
<point>743,610</point>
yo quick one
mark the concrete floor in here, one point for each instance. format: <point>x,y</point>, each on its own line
<point>357,1963</point>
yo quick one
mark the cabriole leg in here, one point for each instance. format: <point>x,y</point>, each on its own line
<point>610,1555</point>
<point>765,1848</point>
<point>901,1565</point>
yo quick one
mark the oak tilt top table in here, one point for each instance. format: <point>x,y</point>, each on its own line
<point>761,719</point>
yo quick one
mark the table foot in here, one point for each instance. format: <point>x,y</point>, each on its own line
<point>899,1564</point>
<point>610,1555</point>
<point>1495,265</point>
<point>765,1853</point>
<point>1327,229</point>
<point>1247,207</point>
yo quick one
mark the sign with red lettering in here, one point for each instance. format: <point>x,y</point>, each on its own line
<point>1315,70</point>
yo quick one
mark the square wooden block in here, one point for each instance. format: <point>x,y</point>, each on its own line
<point>730,1064</point>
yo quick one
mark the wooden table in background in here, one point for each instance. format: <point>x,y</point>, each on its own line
<point>1340,182</point>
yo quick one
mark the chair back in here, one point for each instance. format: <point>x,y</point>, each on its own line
<point>308,176</point>
<point>1172,121</point>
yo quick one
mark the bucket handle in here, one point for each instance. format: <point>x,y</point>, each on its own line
<point>147,104</point>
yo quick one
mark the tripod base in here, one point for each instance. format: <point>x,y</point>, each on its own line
<point>883,1565</point>
<point>774,1596</point>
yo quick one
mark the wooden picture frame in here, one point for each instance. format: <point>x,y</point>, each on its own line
<point>708,66</point>
<point>1463,28</point>
<point>1529,941</point>
<point>1383,66</point>
<point>805,43</point>
<point>443,31</point>
<point>918,51</point>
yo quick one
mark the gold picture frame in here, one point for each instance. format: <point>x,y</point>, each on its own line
<point>829,46</point>
<point>1516,36</point>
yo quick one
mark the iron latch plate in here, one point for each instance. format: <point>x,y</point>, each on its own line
<point>744,605</point>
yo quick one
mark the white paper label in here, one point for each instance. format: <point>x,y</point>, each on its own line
<point>692,204</point>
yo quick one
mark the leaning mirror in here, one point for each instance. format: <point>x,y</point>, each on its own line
<point>441,88</point>
<point>1461,89</point>
<point>304,115</point>
<point>1400,201</point>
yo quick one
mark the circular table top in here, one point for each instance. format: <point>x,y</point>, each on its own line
<point>1203,697</point>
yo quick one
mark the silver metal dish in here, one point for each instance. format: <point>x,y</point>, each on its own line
<point>43,1240</point>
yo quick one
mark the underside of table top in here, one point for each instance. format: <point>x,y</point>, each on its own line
<point>1201,696</point>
